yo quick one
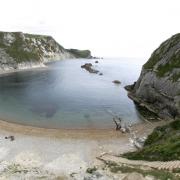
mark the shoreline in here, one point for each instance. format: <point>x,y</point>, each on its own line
<point>7,72</point>
<point>38,67</point>
<point>58,133</point>
<point>110,133</point>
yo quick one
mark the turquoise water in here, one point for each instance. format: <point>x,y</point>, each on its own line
<point>66,96</point>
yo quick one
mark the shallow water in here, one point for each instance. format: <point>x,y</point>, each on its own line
<point>66,96</point>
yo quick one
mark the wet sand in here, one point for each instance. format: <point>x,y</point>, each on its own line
<point>76,133</point>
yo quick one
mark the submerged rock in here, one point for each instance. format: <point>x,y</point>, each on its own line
<point>89,68</point>
<point>158,87</point>
<point>46,109</point>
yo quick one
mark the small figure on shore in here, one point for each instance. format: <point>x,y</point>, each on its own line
<point>12,138</point>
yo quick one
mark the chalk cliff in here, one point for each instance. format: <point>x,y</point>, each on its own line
<point>21,51</point>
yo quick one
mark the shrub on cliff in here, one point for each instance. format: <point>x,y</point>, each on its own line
<point>163,144</point>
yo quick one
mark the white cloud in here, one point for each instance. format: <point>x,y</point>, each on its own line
<point>107,27</point>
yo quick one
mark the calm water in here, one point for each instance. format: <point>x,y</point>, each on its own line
<point>66,96</point>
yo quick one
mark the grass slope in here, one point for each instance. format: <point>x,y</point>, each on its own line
<point>160,53</point>
<point>163,144</point>
<point>80,53</point>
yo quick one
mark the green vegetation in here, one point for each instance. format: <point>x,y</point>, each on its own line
<point>80,53</point>
<point>163,49</point>
<point>158,174</point>
<point>29,47</point>
<point>91,170</point>
<point>162,52</point>
<point>145,113</point>
<point>163,144</point>
<point>175,77</point>
<point>155,57</point>
<point>170,66</point>
<point>16,50</point>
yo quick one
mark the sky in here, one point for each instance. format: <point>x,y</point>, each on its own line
<point>109,28</point>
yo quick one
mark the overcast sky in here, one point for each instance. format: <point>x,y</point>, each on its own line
<point>117,28</point>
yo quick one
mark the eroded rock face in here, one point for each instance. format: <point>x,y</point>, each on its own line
<point>158,87</point>
<point>22,51</point>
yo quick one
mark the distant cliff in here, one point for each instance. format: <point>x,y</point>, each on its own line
<point>80,53</point>
<point>158,87</point>
<point>21,51</point>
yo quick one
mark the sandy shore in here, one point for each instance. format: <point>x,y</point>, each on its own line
<point>56,152</point>
<point>75,133</point>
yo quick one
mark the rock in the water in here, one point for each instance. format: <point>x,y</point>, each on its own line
<point>158,87</point>
<point>100,74</point>
<point>88,67</point>
<point>96,61</point>
<point>116,82</point>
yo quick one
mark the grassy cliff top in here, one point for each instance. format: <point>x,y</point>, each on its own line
<point>165,60</point>
<point>80,53</point>
<point>163,144</point>
<point>27,47</point>
<point>31,47</point>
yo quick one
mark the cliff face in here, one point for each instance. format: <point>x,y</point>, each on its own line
<point>20,51</point>
<point>158,87</point>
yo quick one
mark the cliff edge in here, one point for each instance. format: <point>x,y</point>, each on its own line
<point>21,51</point>
<point>158,87</point>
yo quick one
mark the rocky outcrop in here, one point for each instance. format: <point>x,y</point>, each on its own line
<point>89,68</point>
<point>22,51</point>
<point>158,87</point>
